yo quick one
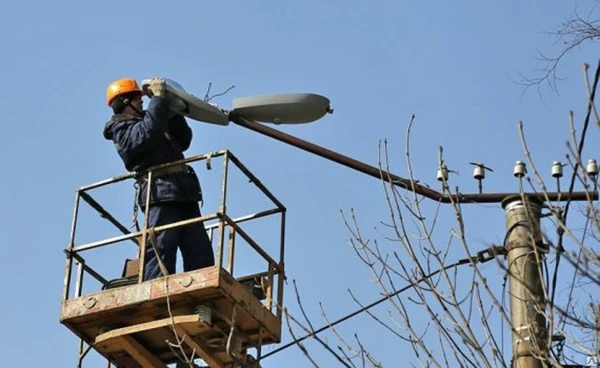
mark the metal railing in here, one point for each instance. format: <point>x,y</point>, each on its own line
<point>225,227</point>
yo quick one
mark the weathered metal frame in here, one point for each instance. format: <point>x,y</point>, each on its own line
<point>275,268</point>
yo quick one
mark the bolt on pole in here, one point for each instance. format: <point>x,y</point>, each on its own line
<point>525,254</point>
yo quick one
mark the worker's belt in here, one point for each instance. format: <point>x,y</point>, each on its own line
<point>175,169</point>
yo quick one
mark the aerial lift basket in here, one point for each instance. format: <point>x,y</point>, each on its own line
<point>210,313</point>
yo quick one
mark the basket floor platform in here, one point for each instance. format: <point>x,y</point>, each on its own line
<point>134,326</point>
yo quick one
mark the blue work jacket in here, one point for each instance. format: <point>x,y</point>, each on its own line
<point>154,139</point>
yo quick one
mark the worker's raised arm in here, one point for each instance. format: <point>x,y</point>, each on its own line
<point>180,131</point>
<point>134,138</point>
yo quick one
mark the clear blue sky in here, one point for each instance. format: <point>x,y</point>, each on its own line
<point>453,64</point>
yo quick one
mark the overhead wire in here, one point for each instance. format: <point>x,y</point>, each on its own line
<point>560,231</point>
<point>479,258</point>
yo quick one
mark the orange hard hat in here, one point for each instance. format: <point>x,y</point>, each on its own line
<point>121,86</point>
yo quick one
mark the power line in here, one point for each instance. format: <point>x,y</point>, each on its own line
<point>482,256</point>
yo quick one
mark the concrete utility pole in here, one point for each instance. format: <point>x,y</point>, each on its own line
<point>525,254</point>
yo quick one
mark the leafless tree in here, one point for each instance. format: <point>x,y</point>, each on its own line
<point>425,269</point>
<point>575,31</point>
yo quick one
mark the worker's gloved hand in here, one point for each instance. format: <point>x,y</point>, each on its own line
<point>157,87</point>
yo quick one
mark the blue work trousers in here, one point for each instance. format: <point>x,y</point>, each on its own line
<point>192,240</point>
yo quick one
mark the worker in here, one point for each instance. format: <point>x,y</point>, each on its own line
<point>148,138</point>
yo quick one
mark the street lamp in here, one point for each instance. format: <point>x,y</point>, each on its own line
<point>289,108</point>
